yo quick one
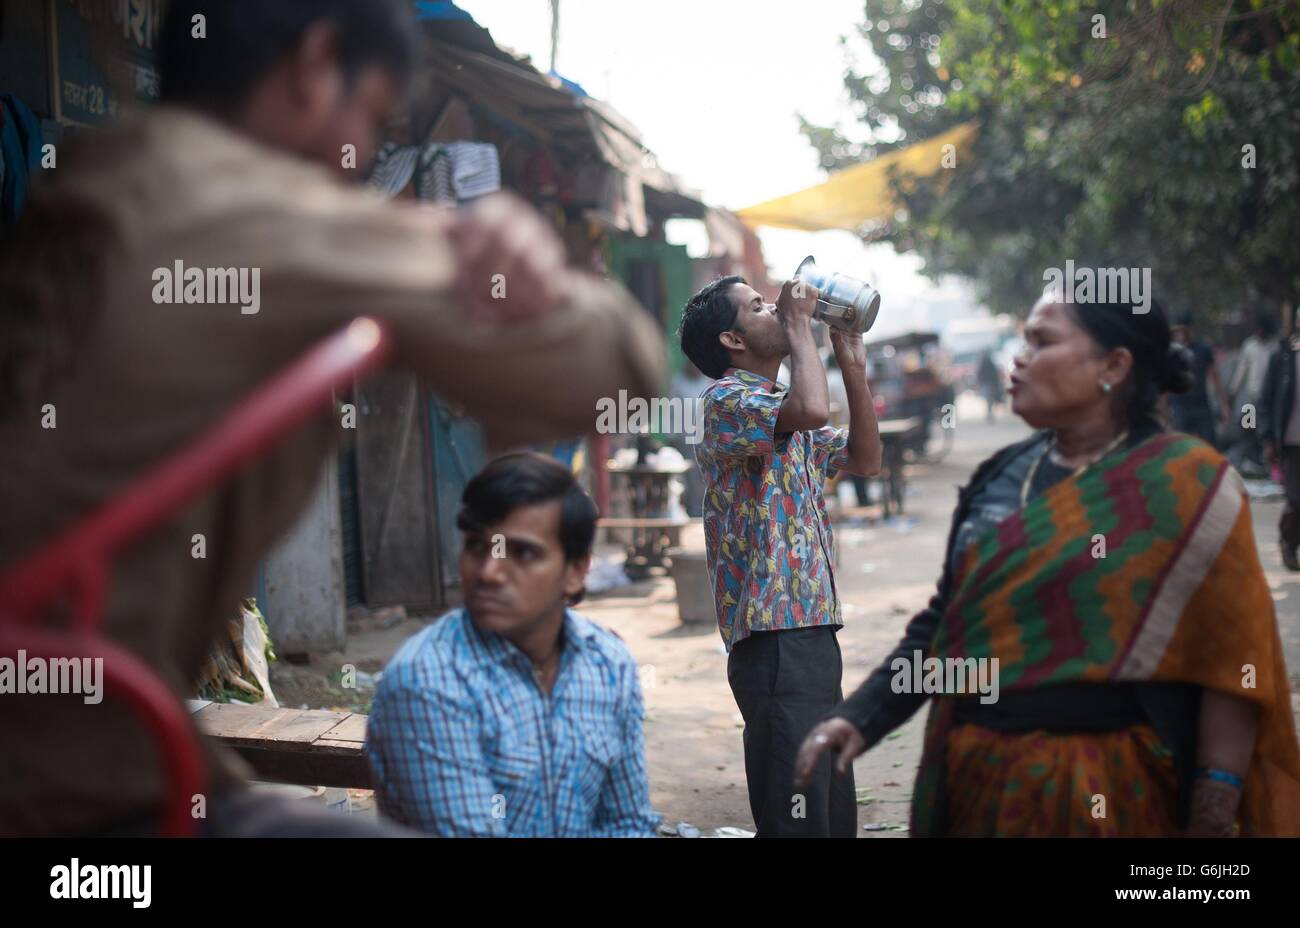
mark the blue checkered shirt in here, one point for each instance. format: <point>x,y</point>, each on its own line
<point>463,742</point>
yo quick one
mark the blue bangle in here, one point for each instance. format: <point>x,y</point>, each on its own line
<point>1221,776</point>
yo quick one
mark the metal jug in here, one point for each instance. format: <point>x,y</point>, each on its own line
<point>846,303</point>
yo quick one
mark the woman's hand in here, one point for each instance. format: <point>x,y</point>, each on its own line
<point>1214,810</point>
<point>1225,741</point>
<point>836,734</point>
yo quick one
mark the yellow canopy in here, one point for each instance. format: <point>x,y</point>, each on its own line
<point>858,194</point>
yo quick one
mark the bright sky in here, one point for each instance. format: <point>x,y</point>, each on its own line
<point>714,86</point>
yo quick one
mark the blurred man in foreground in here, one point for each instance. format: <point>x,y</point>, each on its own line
<point>245,168</point>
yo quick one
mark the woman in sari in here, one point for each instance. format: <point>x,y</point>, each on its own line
<point>1105,570</point>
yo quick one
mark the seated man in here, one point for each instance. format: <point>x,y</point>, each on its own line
<point>514,716</point>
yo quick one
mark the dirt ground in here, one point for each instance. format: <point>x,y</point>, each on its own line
<point>886,572</point>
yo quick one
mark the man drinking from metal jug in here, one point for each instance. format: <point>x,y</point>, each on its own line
<point>765,455</point>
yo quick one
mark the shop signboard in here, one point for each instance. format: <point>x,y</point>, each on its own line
<point>104,55</point>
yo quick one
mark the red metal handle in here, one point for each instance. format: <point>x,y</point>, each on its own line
<point>75,565</point>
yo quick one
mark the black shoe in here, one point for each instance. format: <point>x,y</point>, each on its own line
<point>1289,558</point>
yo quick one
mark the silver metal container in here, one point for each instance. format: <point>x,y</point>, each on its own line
<point>846,303</point>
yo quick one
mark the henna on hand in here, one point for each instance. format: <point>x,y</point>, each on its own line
<point>1214,809</point>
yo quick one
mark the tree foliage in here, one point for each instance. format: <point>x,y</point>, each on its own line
<point>1134,133</point>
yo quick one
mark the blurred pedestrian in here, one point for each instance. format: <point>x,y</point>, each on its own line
<point>1279,428</point>
<point>1198,411</point>
<point>989,378</point>
<point>1246,387</point>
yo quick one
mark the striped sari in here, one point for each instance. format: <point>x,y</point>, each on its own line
<point>1142,568</point>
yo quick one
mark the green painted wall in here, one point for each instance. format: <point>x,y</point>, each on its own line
<point>627,259</point>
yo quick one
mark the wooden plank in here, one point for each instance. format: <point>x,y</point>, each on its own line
<point>312,747</point>
<point>348,769</point>
<point>351,729</point>
<point>256,724</point>
<point>296,729</point>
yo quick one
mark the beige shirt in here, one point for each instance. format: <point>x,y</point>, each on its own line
<point>1250,370</point>
<point>132,380</point>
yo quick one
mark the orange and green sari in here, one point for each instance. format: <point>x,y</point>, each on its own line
<point>1142,568</point>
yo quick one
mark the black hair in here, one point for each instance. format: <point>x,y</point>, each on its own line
<point>707,315</point>
<point>523,478</point>
<point>1160,364</point>
<point>243,39</point>
<point>1265,322</point>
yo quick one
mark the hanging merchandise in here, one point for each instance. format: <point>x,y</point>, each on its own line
<point>393,168</point>
<point>475,169</point>
<point>429,167</point>
<point>434,176</point>
<point>443,172</point>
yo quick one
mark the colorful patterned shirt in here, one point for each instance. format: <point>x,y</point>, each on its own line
<point>769,545</point>
<point>464,743</point>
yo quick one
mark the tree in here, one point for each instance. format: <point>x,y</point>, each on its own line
<point>1141,133</point>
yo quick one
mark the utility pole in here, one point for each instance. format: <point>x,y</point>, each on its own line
<point>555,31</point>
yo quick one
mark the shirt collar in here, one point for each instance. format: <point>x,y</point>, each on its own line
<point>751,379</point>
<point>491,648</point>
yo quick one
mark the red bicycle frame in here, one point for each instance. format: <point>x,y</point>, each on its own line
<point>74,567</point>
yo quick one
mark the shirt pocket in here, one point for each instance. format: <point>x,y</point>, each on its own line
<point>515,758</point>
<point>599,750</point>
<point>518,790</point>
<point>511,768</point>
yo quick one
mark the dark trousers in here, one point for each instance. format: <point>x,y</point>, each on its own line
<point>1289,525</point>
<point>784,683</point>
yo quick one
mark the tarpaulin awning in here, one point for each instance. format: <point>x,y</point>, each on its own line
<point>859,194</point>
<point>579,126</point>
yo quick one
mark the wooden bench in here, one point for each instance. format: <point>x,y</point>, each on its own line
<point>672,528</point>
<point>311,747</point>
<point>651,537</point>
